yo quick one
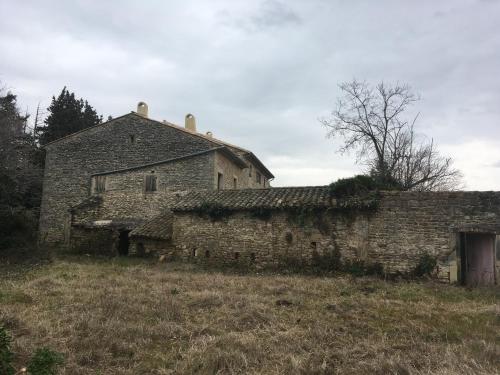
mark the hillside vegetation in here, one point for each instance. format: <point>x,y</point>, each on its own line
<point>126,316</point>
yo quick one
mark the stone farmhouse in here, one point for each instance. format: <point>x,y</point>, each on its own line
<point>134,185</point>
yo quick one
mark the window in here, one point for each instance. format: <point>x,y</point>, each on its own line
<point>132,138</point>
<point>257,177</point>
<point>220,181</point>
<point>151,182</point>
<point>207,253</point>
<point>252,257</point>
<point>250,171</point>
<point>236,255</point>
<point>99,184</point>
<point>235,183</point>
<point>194,252</point>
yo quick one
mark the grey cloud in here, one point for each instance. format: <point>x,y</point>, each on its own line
<point>260,73</point>
<point>273,13</point>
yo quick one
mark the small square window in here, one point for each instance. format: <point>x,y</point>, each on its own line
<point>151,183</point>
<point>99,184</point>
<point>220,181</point>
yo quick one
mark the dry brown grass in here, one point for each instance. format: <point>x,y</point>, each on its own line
<point>128,316</point>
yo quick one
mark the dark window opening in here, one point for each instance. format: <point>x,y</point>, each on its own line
<point>252,257</point>
<point>123,243</point>
<point>151,184</point>
<point>236,255</point>
<point>132,138</point>
<point>220,181</point>
<point>99,184</point>
<point>235,183</point>
<point>257,177</point>
<point>140,249</point>
<point>314,245</point>
<point>194,252</point>
<point>207,254</point>
<point>250,171</point>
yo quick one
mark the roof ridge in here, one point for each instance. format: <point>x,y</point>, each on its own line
<point>84,130</point>
<point>179,127</point>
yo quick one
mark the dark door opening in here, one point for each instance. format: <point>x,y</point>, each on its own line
<point>123,243</point>
<point>477,259</point>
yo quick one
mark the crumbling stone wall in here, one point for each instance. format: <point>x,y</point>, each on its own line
<point>396,234</point>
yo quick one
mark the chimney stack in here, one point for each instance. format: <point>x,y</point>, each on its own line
<point>142,109</point>
<point>190,123</point>
<point>209,134</point>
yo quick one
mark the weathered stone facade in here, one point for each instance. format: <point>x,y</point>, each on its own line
<point>125,150</point>
<point>403,227</point>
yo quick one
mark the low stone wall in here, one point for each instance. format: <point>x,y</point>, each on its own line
<point>95,241</point>
<point>396,234</point>
<point>151,247</point>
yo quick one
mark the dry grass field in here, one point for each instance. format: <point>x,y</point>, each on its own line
<point>126,316</point>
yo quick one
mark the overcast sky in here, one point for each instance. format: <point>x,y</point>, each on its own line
<point>260,73</point>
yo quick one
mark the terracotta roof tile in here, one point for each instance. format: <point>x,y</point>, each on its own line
<point>278,197</point>
<point>160,227</point>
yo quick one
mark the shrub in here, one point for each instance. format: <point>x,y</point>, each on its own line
<point>261,213</point>
<point>425,266</point>
<point>6,354</point>
<point>44,362</point>
<point>329,261</point>
<point>353,186</point>
<point>360,267</point>
<point>213,210</point>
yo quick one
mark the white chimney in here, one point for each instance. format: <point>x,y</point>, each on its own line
<point>209,134</point>
<point>190,123</point>
<point>142,109</point>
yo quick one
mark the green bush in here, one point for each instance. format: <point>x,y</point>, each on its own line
<point>6,354</point>
<point>426,265</point>
<point>213,210</point>
<point>44,362</point>
<point>360,267</point>
<point>353,186</point>
<point>329,261</point>
<point>261,213</point>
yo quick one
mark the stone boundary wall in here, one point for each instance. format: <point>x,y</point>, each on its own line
<point>403,227</point>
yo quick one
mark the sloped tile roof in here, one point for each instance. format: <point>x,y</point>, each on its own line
<point>160,227</point>
<point>276,198</point>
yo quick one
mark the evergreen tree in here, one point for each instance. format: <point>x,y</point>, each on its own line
<point>67,115</point>
<point>20,175</point>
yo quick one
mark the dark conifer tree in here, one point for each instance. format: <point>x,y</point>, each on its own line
<point>67,115</point>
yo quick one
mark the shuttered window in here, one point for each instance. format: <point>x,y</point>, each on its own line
<point>99,184</point>
<point>151,183</point>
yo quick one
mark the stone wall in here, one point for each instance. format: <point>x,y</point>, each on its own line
<point>95,241</point>
<point>403,227</point>
<point>230,171</point>
<point>125,196</point>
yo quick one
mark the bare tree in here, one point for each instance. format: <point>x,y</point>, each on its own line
<point>372,121</point>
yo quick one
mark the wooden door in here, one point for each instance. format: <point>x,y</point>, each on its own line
<point>480,259</point>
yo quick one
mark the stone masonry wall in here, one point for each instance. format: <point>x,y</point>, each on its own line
<point>121,143</point>
<point>406,225</point>
<point>125,196</point>
<point>230,170</point>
